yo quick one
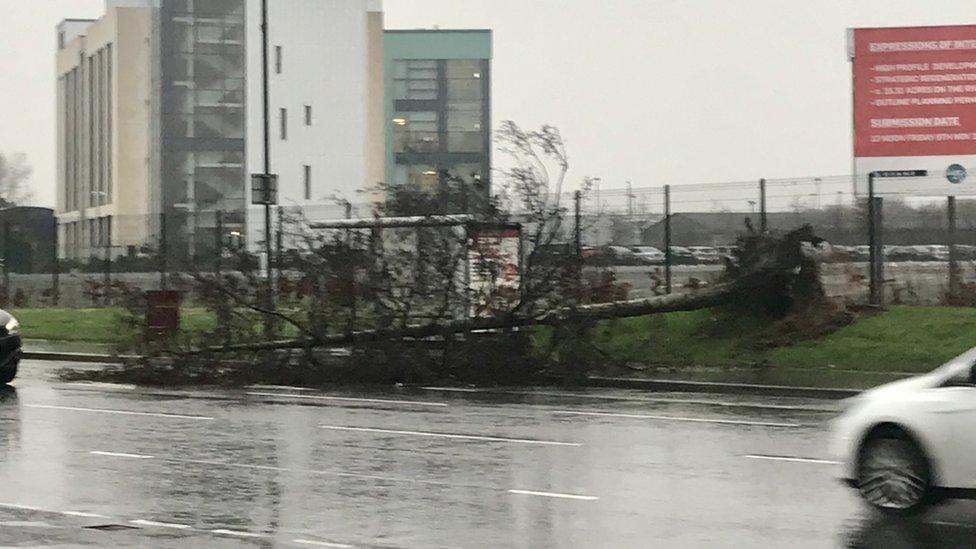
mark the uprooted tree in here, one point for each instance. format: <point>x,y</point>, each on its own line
<point>395,293</point>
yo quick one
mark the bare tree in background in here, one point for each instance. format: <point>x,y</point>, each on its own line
<point>14,177</point>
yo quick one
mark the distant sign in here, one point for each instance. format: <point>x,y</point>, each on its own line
<point>915,105</point>
<point>900,173</point>
<point>494,266</point>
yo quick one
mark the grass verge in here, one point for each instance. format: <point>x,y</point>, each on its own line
<point>900,339</point>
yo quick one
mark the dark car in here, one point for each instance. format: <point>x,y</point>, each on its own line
<point>9,347</point>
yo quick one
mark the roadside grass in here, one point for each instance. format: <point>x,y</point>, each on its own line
<point>102,325</point>
<point>900,339</point>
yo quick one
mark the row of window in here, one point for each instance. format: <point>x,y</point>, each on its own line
<point>283,121</point>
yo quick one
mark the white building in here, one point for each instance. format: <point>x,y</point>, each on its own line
<point>327,132</point>
<point>161,115</point>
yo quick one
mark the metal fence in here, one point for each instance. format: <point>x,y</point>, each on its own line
<point>656,240</point>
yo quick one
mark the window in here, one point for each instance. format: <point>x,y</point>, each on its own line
<point>415,132</point>
<point>416,79</point>
<point>284,124</point>
<point>61,40</point>
<point>278,59</point>
<point>308,115</point>
<point>308,182</point>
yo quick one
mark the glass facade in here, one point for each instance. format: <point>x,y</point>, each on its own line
<point>440,127</point>
<point>203,74</point>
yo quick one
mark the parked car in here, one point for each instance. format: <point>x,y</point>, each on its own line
<point>705,254</point>
<point>9,347</point>
<point>649,254</point>
<point>910,443</point>
<point>682,256</point>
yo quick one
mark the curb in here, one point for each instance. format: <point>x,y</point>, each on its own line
<point>74,357</point>
<point>662,385</point>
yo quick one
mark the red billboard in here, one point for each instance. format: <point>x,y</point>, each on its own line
<point>914,91</point>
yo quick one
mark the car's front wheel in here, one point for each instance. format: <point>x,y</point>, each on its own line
<point>893,475</point>
<point>8,373</point>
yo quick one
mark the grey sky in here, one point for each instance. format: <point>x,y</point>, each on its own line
<point>654,91</point>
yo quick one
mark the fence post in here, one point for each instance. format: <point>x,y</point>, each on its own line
<point>219,242</point>
<point>108,263</point>
<point>953,259</point>
<point>6,262</point>
<point>279,243</point>
<point>577,223</point>
<point>56,270</point>
<point>763,225</point>
<point>163,252</point>
<point>667,238</point>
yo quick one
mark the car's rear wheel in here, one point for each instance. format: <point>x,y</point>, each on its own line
<point>893,475</point>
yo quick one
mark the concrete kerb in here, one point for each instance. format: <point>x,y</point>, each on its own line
<point>88,358</point>
<point>664,385</point>
<point>651,385</point>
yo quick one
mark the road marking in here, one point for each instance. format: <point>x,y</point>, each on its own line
<point>20,507</point>
<point>553,495</point>
<point>792,459</point>
<point>237,533</point>
<point>451,436</point>
<point>121,455</point>
<point>83,514</point>
<point>352,399</point>
<point>683,419</point>
<point>321,543</point>
<point>698,402</point>
<point>141,522</point>
<point>278,388</point>
<point>102,385</point>
<point>119,412</point>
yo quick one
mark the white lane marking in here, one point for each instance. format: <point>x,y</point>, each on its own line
<point>83,514</point>
<point>693,401</point>
<point>792,459</point>
<point>451,436</point>
<point>119,412</point>
<point>352,399</point>
<point>102,385</point>
<point>120,455</point>
<point>141,522</point>
<point>20,507</point>
<point>553,495</point>
<point>683,419</point>
<point>237,533</point>
<point>321,543</point>
<point>278,388</point>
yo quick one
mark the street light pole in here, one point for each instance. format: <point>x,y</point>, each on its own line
<point>267,153</point>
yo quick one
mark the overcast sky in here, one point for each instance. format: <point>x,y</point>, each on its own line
<point>651,91</point>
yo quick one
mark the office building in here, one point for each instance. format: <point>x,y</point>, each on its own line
<point>438,115</point>
<point>160,118</point>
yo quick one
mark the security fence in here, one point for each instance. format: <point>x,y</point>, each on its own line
<point>655,240</point>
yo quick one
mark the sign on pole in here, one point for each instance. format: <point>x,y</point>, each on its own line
<point>264,189</point>
<point>915,107</point>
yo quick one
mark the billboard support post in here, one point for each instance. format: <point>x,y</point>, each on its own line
<point>874,278</point>
<point>951,242</point>
<point>667,238</point>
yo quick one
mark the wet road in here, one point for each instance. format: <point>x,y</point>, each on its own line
<point>119,466</point>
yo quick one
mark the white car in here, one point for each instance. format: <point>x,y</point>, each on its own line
<point>911,443</point>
